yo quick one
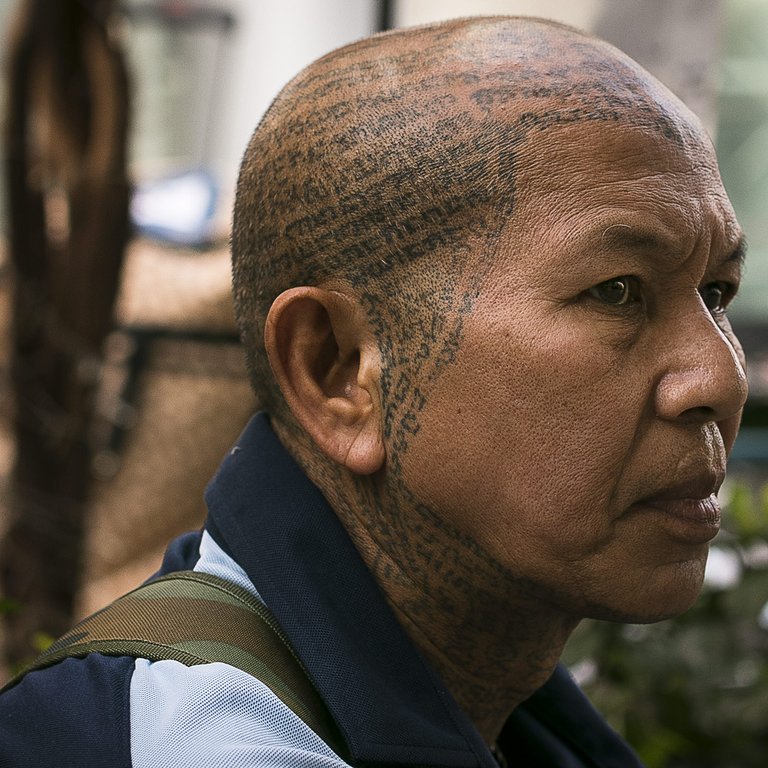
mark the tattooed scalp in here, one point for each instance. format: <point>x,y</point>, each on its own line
<point>389,164</point>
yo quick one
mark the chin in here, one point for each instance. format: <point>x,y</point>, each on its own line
<point>640,615</point>
<point>668,594</point>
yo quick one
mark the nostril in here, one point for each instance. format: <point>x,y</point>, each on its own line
<point>699,414</point>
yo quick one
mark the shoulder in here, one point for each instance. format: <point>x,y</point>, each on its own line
<point>82,706</point>
<point>102,712</point>
<point>74,713</point>
<point>214,714</point>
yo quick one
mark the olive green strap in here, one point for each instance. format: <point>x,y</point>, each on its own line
<point>196,618</point>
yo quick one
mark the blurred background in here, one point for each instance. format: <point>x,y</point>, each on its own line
<point>121,377</point>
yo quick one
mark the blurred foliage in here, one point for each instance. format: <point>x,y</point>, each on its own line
<point>40,642</point>
<point>693,692</point>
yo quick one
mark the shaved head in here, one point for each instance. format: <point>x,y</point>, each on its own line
<point>389,166</point>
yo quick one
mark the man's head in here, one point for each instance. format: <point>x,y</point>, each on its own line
<point>486,262</point>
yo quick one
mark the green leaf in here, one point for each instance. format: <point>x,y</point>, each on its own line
<point>8,606</point>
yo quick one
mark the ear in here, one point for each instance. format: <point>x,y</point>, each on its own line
<point>326,362</point>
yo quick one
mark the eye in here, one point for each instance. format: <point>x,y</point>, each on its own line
<point>617,291</point>
<point>717,295</point>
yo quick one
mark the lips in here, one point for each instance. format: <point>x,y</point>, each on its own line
<point>689,510</point>
<point>697,487</point>
<point>699,511</point>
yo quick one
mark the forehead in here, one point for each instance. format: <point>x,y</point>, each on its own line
<point>624,183</point>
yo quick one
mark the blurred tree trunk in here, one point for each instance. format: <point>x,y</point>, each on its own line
<point>68,196</point>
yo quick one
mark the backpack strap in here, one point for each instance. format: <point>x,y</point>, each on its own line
<point>196,618</point>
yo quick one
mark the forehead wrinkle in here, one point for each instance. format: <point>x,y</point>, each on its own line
<point>664,253</point>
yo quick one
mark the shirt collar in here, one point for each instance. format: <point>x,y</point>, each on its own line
<point>388,704</point>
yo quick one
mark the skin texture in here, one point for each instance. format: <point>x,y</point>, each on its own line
<point>481,271</point>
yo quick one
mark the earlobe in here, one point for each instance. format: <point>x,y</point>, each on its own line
<point>326,363</point>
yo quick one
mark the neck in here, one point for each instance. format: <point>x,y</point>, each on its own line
<point>492,654</point>
<point>491,637</point>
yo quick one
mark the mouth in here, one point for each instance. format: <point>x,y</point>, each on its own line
<point>689,511</point>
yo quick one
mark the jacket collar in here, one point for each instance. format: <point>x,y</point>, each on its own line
<point>279,528</point>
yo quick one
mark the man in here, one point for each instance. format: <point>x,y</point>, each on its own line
<point>481,270</point>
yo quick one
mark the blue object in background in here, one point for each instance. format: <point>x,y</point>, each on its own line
<point>178,210</point>
<point>751,445</point>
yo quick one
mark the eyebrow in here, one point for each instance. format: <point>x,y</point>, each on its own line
<point>739,253</point>
<point>626,236</point>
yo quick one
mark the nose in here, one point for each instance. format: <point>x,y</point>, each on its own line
<point>704,379</point>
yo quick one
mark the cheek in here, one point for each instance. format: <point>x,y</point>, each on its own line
<point>526,440</point>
